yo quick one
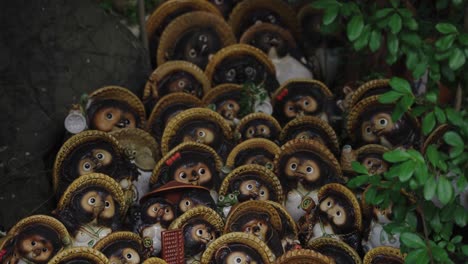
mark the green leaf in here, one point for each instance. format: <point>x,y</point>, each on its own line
<point>463,38</point>
<point>355,27</point>
<point>392,43</point>
<point>411,220</point>
<point>406,170</point>
<point>406,102</point>
<point>454,117</point>
<point>444,190</point>
<point>370,195</point>
<point>435,223</point>
<point>400,85</point>
<point>430,188</point>
<point>363,39</point>
<point>395,3</point>
<point>411,23</point>
<point>445,42</point>
<point>446,28</point>
<point>330,14</point>
<point>440,115</point>
<point>405,12</point>
<point>419,110</point>
<point>432,154</point>
<point>412,240</point>
<point>439,254</point>
<point>428,123</point>
<point>421,173</point>
<point>324,4</point>
<point>464,249</point>
<point>396,155</point>
<point>457,59</point>
<point>460,217</point>
<point>389,97</point>
<point>358,181</point>
<point>456,239</point>
<point>383,12</point>
<point>453,139</point>
<point>395,23</point>
<point>359,168</point>
<point>411,60</point>
<point>374,41</point>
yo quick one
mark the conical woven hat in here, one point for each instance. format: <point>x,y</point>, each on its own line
<point>154,261</point>
<point>322,243</point>
<point>137,136</point>
<point>151,90</point>
<point>238,238</point>
<point>116,237</point>
<point>75,253</point>
<point>261,172</point>
<point>223,89</point>
<point>199,212</point>
<point>373,87</point>
<point>197,19</point>
<point>250,33</point>
<point>389,252</point>
<point>252,206</point>
<point>257,116</point>
<point>254,143</point>
<point>75,141</point>
<point>96,180</point>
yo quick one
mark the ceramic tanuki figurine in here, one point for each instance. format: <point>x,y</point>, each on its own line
<point>252,182</point>
<point>281,48</point>
<point>277,12</point>
<point>112,108</point>
<point>240,64</point>
<point>34,239</point>
<point>370,88</point>
<point>122,247</point>
<point>238,247</point>
<point>143,151</point>
<point>260,219</point>
<point>303,166</point>
<point>252,151</point>
<point>200,227</point>
<point>336,250</point>
<point>225,99</point>
<point>79,255</point>
<point>382,255</point>
<point>311,127</point>
<point>90,152</point>
<point>156,215</point>
<point>194,37</point>
<point>189,163</point>
<point>258,125</point>
<point>165,110</point>
<point>91,208</point>
<point>199,125</point>
<point>370,122</point>
<point>174,77</point>
<point>298,97</point>
<point>337,214</point>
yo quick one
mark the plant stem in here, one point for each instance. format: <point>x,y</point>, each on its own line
<point>426,233</point>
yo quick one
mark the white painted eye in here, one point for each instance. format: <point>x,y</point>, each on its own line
<point>155,209</point>
<point>306,103</point>
<point>192,53</point>
<point>188,203</point>
<point>329,204</point>
<point>87,166</point>
<point>293,166</point>
<point>181,84</point>
<point>231,74</point>
<point>107,204</point>
<point>249,187</point>
<point>183,175</point>
<point>221,198</point>
<point>249,71</point>
<point>129,256</point>
<point>201,133</point>
<point>109,116</point>
<point>44,250</point>
<point>230,106</point>
<point>338,213</point>
<point>231,196</point>
<point>203,38</point>
<point>100,156</point>
<point>251,131</point>
<point>383,122</point>
<point>238,260</point>
<point>262,193</point>
<point>202,171</point>
<point>199,232</point>
<point>92,201</point>
<point>33,243</point>
<point>167,210</point>
<point>309,170</point>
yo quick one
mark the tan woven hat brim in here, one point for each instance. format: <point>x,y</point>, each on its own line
<point>285,214</point>
<point>249,207</point>
<point>319,243</point>
<point>118,236</point>
<point>357,111</point>
<point>238,50</point>
<point>364,88</point>
<point>154,261</point>
<point>198,19</point>
<point>161,13</point>
<point>182,118</point>
<point>371,149</point>
<point>221,90</point>
<point>239,238</point>
<point>75,141</point>
<point>93,179</point>
<point>121,94</point>
<point>257,116</point>
<point>349,195</point>
<point>139,136</point>
<point>316,122</point>
<point>262,172</point>
<point>303,256</point>
<point>323,88</point>
<point>200,212</point>
<point>286,13</point>
<point>383,250</point>
<point>253,143</point>
<point>249,34</point>
<point>187,146</point>
<point>87,253</point>
<point>44,220</point>
<point>316,147</point>
<point>151,89</point>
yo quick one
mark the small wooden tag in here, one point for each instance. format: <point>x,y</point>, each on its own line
<point>173,246</point>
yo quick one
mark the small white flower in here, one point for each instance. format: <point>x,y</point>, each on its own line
<point>263,106</point>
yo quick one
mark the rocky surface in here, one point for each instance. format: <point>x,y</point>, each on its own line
<point>51,52</point>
